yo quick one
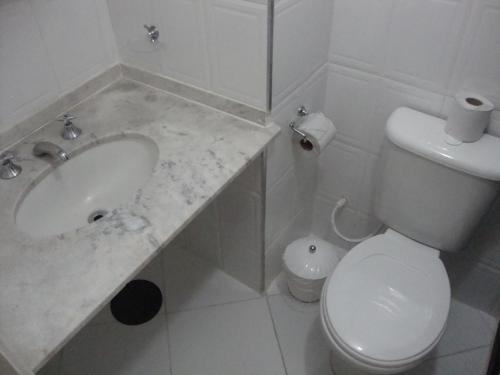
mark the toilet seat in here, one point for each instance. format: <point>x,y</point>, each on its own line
<point>387,302</point>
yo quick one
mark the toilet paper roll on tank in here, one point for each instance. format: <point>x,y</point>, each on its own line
<point>319,131</point>
<point>469,117</point>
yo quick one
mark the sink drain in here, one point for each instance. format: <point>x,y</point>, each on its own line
<point>96,216</point>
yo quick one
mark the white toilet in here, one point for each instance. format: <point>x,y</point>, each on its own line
<point>386,304</point>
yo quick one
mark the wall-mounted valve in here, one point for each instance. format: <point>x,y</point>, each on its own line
<point>153,33</point>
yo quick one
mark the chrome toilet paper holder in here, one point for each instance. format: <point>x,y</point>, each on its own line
<point>305,143</point>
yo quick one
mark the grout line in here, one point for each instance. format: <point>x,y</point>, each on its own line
<point>214,305</point>
<point>485,317</point>
<point>458,353</point>
<point>262,171</point>
<point>169,343</point>
<point>276,334</point>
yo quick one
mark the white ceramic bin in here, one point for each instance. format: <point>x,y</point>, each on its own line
<point>308,262</point>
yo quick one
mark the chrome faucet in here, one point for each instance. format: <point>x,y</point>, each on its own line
<point>70,130</point>
<point>50,149</point>
<point>8,169</point>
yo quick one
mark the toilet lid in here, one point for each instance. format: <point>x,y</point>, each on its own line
<point>388,299</point>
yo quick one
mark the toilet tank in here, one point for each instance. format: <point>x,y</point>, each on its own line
<point>430,188</point>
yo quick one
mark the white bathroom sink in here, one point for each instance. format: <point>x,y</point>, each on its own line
<point>87,187</point>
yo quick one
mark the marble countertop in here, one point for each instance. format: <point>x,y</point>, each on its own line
<point>51,287</point>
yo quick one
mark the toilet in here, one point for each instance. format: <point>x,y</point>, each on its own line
<point>386,304</point>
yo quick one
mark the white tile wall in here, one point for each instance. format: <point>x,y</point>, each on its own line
<point>382,54</point>
<point>128,18</point>
<point>217,45</point>
<point>282,204</point>
<point>299,78</point>
<point>238,43</point>
<point>62,24</point>
<point>47,48</point>
<point>341,170</point>
<point>300,48</point>
<point>291,175</point>
<point>191,283</point>
<point>229,232</point>
<point>350,102</point>
<point>182,27</point>
<point>422,41</point>
<point>358,32</point>
<point>385,54</point>
<point>477,67</point>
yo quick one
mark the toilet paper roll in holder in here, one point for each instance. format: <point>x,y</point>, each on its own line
<point>302,112</point>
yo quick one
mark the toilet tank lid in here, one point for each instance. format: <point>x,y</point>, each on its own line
<point>424,135</point>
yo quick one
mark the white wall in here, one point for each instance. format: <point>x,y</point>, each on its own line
<point>382,54</point>
<point>48,48</point>
<point>301,29</point>
<point>228,233</point>
<point>418,53</point>
<point>385,54</point>
<point>216,45</point>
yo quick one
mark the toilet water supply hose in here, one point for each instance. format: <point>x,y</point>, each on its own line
<point>338,206</point>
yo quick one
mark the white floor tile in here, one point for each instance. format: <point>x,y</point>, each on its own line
<point>474,362</point>
<point>466,329</point>
<point>491,322</point>
<point>278,285</point>
<point>230,339</point>
<point>191,282</point>
<point>305,351</point>
<point>116,349</point>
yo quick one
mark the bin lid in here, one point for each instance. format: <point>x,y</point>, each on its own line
<point>310,258</point>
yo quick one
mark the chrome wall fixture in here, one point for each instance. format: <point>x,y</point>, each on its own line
<point>305,143</point>
<point>153,33</point>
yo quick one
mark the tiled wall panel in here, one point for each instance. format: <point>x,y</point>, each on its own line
<point>301,37</point>
<point>292,175</point>
<point>418,53</point>
<point>47,48</point>
<point>238,43</point>
<point>216,45</point>
<point>184,53</point>
<point>300,48</point>
<point>229,232</point>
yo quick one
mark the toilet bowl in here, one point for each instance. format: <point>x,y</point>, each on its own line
<point>385,306</point>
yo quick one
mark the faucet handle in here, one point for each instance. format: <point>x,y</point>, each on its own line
<point>66,118</point>
<point>70,130</point>
<point>7,156</point>
<point>8,169</point>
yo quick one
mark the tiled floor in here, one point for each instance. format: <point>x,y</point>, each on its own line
<point>214,325</point>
